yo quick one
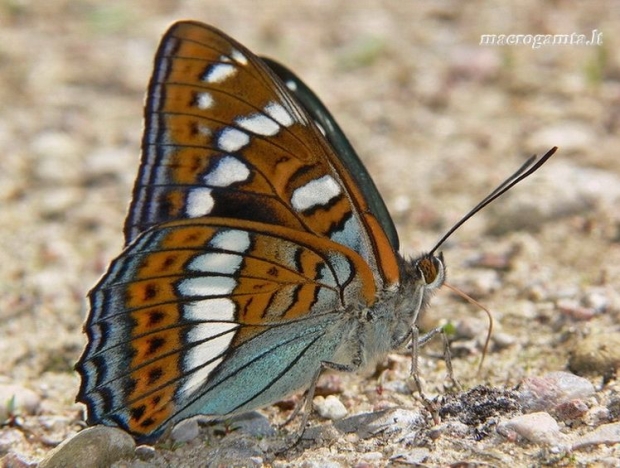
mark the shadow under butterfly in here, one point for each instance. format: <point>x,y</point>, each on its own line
<point>258,250</point>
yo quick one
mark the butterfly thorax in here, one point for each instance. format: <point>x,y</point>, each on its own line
<point>393,315</point>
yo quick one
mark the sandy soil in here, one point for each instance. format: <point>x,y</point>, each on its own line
<point>438,119</point>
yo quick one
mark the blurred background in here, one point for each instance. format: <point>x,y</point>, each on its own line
<point>438,119</point>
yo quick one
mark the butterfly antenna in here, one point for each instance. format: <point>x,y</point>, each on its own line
<point>528,168</point>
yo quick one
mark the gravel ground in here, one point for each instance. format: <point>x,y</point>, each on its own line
<point>439,120</point>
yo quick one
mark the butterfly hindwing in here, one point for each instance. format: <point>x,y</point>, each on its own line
<point>193,306</point>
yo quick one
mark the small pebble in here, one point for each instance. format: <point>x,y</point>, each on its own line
<point>607,434</point>
<point>597,299</point>
<point>471,328</point>
<point>370,459</point>
<point>571,308</point>
<point>145,452</point>
<point>495,261</point>
<point>322,463</point>
<point>475,63</point>
<point>10,438</point>
<point>481,283</point>
<point>329,384</point>
<point>235,452</point>
<point>598,415</point>
<point>613,406</point>
<point>91,448</point>
<point>414,457</point>
<point>17,400</point>
<point>253,423</point>
<point>538,428</point>
<point>104,161</point>
<point>574,409</point>
<point>503,340</point>
<point>555,388</point>
<point>17,460</point>
<point>454,428</point>
<point>185,431</point>
<point>390,421</point>
<point>596,355</point>
<point>55,154</point>
<point>572,386</point>
<point>396,386</point>
<point>330,407</point>
<point>55,423</point>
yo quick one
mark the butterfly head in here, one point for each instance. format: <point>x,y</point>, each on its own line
<point>421,277</point>
<point>430,270</point>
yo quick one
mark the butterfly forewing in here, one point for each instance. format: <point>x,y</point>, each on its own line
<point>224,137</point>
<point>340,143</point>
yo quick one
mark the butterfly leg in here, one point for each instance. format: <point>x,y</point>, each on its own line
<point>417,342</point>
<point>306,403</point>
<point>303,404</point>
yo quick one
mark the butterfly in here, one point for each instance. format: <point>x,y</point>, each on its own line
<point>258,250</point>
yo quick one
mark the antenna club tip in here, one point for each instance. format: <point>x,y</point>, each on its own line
<point>551,152</point>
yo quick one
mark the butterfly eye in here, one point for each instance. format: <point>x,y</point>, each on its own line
<point>432,270</point>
